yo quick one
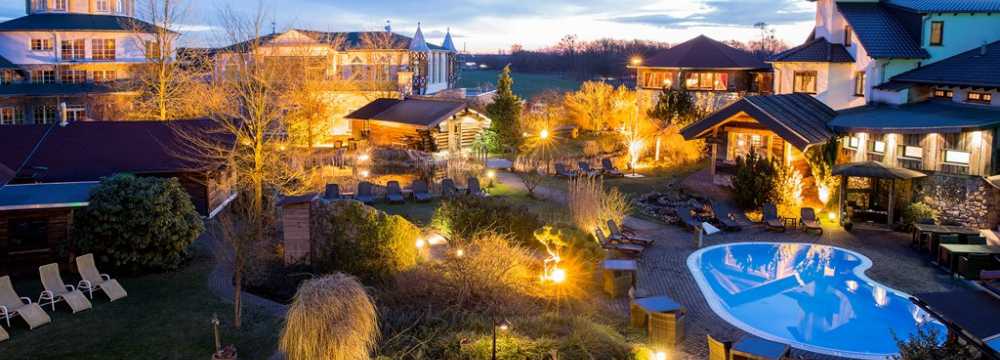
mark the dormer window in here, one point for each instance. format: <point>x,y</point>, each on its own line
<point>937,33</point>
<point>848,34</point>
<point>979,97</point>
<point>943,94</point>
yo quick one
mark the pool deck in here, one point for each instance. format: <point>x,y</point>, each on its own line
<point>663,270</point>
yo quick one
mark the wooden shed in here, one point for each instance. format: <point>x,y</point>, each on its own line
<point>431,125</point>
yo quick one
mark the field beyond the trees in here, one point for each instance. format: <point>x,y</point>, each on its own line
<point>525,85</point>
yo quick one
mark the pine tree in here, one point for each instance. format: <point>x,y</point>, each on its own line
<point>505,112</point>
<point>674,107</point>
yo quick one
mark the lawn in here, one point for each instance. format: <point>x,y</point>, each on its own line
<point>525,85</point>
<point>419,214</point>
<point>165,316</point>
<point>654,179</point>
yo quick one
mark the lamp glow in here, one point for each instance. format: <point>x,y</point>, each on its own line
<point>558,276</point>
<point>544,134</point>
<point>491,174</point>
<point>459,253</point>
<point>364,157</point>
<point>363,173</point>
<point>660,355</point>
<point>832,216</point>
<point>421,243</point>
<point>824,194</point>
<point>636,61</point>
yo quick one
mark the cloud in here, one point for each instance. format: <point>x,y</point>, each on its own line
<point>727,13</point>
<point>194,28</point>
<point>434,34</point>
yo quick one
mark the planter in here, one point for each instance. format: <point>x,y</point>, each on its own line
<point>227,353</point>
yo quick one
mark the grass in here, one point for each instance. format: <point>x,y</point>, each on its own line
<point>525,85</point>
<point>419,214</point>
<point>165,316</point>
<point>655,179</point>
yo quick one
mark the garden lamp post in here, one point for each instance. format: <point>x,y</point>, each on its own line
<point>502,326</point>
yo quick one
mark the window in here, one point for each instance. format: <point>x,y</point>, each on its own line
<point>75,113</point>
<point>748,143</point>
<point>804,82</point>
<point>43,76</point>
<point>73,76</point>
<point>105,75</point>
<point>45,114</point>
<point>943,94</point>
<point>73,49</point>
<point>102,49</point>
<point>652,79</point>
<point>28,235</point>
<point>912,152</point>
<point>878,147</point>
<point>937,33</point>
<point>41,45</point>
<point>60,5</point>
<point>706,81</point>
<point>38,4</point>
<point>859,83</point>
<point>152,49</point>
<point>852,142</point>
<point>103,5</point>
<point>7,77</point>
<point>848,34</point>
<point>979,97</point>
<point>11,116</point>
<point>956,157</point>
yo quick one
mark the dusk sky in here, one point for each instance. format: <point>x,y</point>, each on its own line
<point>489,25</point>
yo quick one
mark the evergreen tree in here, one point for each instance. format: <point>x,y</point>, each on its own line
<point>674,107</point>
<point>505,111</point>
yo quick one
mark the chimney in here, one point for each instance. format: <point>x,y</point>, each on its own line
<point>63,115</point>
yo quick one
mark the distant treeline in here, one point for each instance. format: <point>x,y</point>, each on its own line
<point>586,60</point>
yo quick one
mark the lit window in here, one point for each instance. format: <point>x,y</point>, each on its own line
<point>102,49</point>
<point>74,76</point>
<point>153,50</point>
<point>73,49</point>
<point>804,82</point>
<point>852,142</point>
<point>103,5</point>
<point>60,5</point>
<point>913,152</point>
<point>105,76</point>
<point>7,77</point>
<point>41,44</point>
<point>937,33</point>
<point>76,113</point>
<point>11,116</point>
<point>45,114</point>
<point>878,147</point>
<point>979,97</point>
<point>707,81</point>
<point>748,143</point>
<point>957,157</point>
<point>859,83</point>
<point>43,76</point>
<point>941,93</point>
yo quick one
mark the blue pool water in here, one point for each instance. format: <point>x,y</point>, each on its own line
<point>812,297</point>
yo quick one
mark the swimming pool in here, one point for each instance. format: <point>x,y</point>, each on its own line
<point>812,297</point>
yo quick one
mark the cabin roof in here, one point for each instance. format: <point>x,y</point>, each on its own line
<point>703,52</point>
<point>815,50</point>
<point>415,112</point>
<point>800,119</point>
<point>922,117</point>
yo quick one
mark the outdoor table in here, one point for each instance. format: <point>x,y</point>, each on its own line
<point>920,229</point>
<point>754,348</point>
<point>619,276</point>
<point>663,317</point>
<point>791,223</point>
<point>947,253</point>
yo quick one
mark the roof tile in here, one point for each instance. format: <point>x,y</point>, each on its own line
<point>880,32</point>
<point>704,53</point>
<point>816,50</point>
<point>970,68</point>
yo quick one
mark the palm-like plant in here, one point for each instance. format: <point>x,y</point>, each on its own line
<point>331,318</point>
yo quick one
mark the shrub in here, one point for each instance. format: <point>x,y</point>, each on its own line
<point>788,192</point>
<point>356,239</point>
<point>591,205</point>
<point>577,336</point>
<point>138,224</point>
<point>466,217</point>
<point>927,345</point>
<point>755,181</point>
<point>918,211</point>
<point>331,318</point>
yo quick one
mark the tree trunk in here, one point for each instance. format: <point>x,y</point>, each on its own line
<point>238,293</point>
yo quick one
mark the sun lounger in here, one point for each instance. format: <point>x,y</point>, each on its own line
<point>365,193</point>
<point>609,169</point>
<point>56,290</point>
<point>420,191</point>
<point>394,194</point>
<point>687,220</point>
<point>332,192</point>
<point>3,335</point>
<point>628,249</point>
<point>94,280</point>
<point>618,235</point>
<point>12,306</point>
<point>725,216</point>
<point>474,188</point>
<point>448,188</point>
<point>562,171</point>
<point>807,217</point>
<point>771,219</point>
<point>586,170</point>
<point>971,266</point>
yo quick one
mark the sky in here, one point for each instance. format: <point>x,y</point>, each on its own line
<point>487,26</point>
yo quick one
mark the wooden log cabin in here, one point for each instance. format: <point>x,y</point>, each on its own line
<point>422,124</point>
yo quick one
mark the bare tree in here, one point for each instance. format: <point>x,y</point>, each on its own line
<point>384,56</point>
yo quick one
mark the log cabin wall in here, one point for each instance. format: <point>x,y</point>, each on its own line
<point>970,152</point>
<point>30,238</point>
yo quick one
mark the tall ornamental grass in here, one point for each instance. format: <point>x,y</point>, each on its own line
<point>591,205</point>
<point>331,318</point>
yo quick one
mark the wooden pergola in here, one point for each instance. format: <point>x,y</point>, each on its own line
<point>873,169</point>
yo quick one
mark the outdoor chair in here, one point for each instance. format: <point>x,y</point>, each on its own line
<point>95,280</point>
<point>474,188</point>
<point>562,171</point>
<point>332,192</point>
<point>725,216</point>
<point>627,249</point>
<point>394,194</point>
<point>807,217</point>
<point>618,235</point>
<point>687,220</point>
<point>56,290</point>
<point>609,169</point>
<point>365,193</point>
<point>934,246</point>
<point>718,349</point>
<point>420,191</point>
<point>12,306</point>
<point>971,266</point>
<point>3,335</point>
<point>771,219</point>
<point>448,188</point>
<point>586,170</point>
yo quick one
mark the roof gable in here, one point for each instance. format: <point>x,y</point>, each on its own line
<point>880,32</point>
<point>799,119</point>
<point>703,52</point>
<point>971,68</point>
<point>815,50</point>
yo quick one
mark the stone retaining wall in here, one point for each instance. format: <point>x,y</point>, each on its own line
<point>969,200</point>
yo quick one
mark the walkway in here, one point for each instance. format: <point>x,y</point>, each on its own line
<point>663,269</point>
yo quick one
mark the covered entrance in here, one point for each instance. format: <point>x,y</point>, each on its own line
<point>868,191</point>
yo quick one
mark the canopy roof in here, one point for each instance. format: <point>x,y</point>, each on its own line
<point>974,313</point>
<point>876,170</point>
<point>413,112</point>
<point>44,196</point>
<point>799,119</point>
<point>927,116</point>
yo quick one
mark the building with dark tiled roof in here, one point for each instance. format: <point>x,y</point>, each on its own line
<point>62,60</point>
<point>909,84</point>
<point>425,124</point>
<point>706,67</point>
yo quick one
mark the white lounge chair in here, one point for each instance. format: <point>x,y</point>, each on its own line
<point>94,280</point>
<point>12,306</point>
<point>56,290</point>
<point>3,335</point>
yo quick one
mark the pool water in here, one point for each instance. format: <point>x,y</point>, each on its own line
<point>812,297</point>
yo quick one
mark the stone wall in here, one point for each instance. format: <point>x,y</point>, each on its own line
<point>969,200</point>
